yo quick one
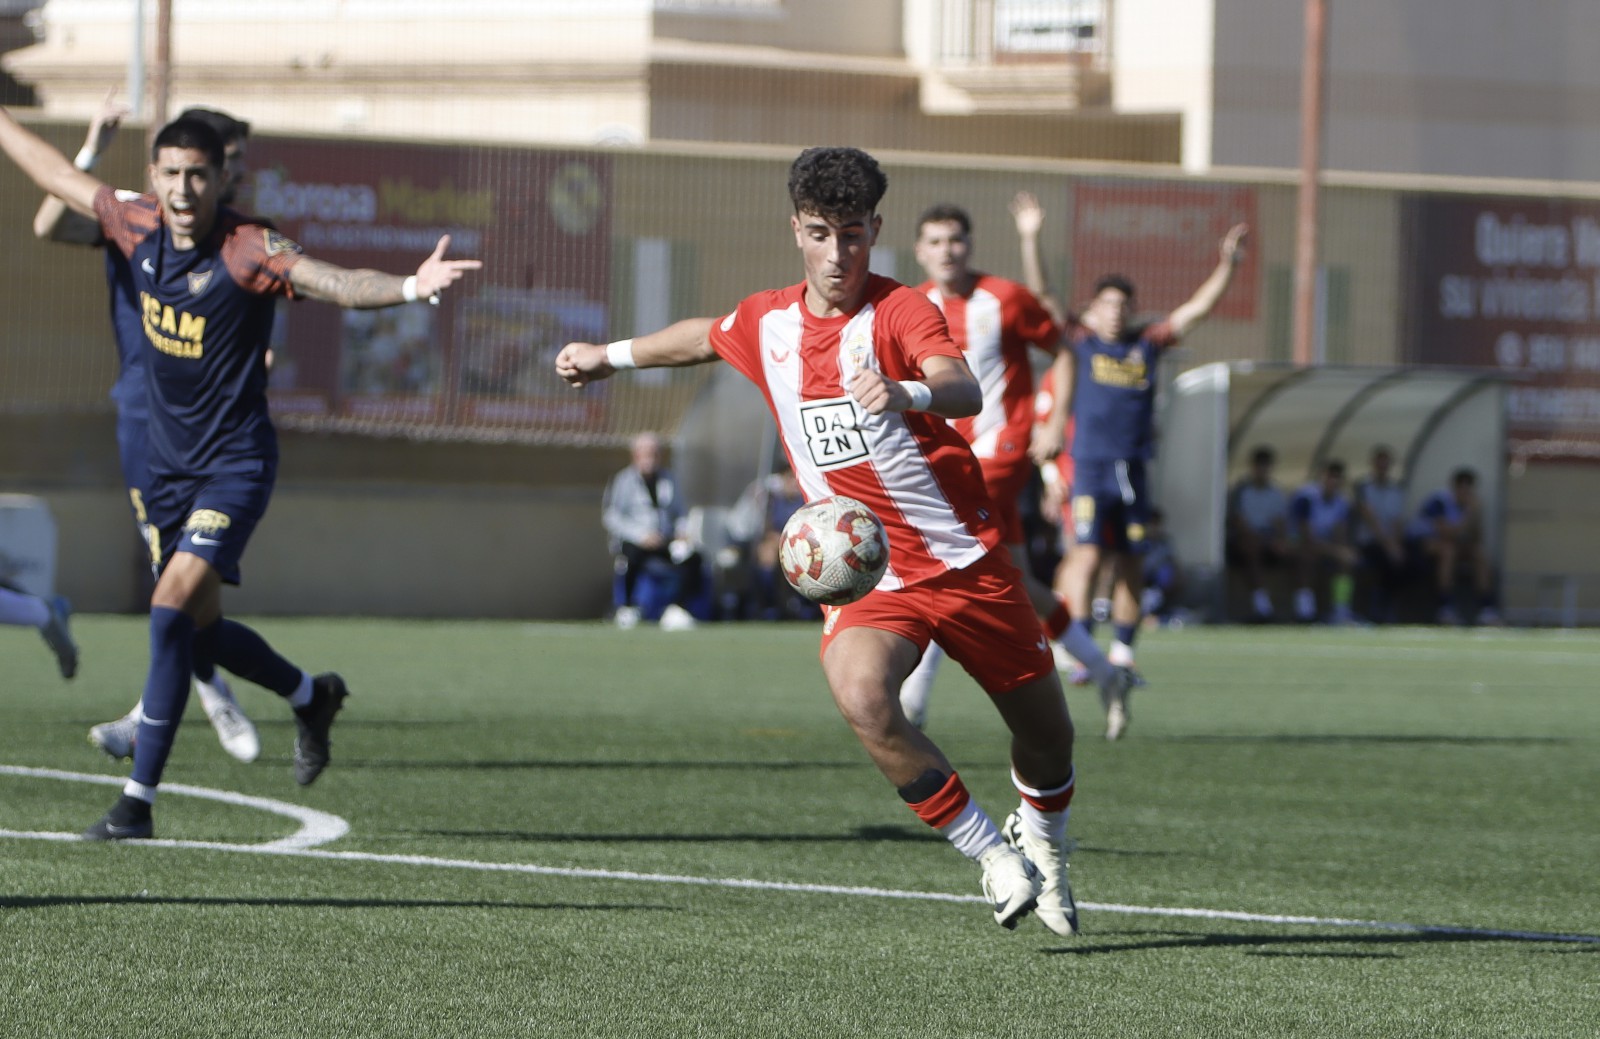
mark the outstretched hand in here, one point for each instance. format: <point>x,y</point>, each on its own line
<point>1233,242</point>
<point>437,273</point>
<point>1028,214</point>
<point>107,120</point>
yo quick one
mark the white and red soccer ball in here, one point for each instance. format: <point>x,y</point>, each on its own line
<point>834,550</point>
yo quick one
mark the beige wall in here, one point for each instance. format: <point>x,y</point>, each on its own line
<point>1451,87</point>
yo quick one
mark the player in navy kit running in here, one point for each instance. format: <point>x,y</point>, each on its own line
<point>207,279</point>
<point>237,644</point>
<point>1112,386</point>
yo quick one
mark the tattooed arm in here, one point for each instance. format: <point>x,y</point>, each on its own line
<point>368,289</point>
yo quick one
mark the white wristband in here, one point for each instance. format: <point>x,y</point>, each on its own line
<point>408,289</point>
<point>85,159</point>
<point>619,355</point>
<point>921,395</point>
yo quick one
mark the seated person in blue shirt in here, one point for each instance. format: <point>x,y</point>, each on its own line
<point>1446,538</point>
<point>1319,515</point>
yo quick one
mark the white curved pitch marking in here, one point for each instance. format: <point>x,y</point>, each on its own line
<point>316,828</point>
<point>305,850</point>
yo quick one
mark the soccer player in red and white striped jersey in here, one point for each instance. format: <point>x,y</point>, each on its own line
<point>861,375</point>
<point>996,322</point>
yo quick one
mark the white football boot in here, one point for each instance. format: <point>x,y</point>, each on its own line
<point>1011,884</point>
<point>1056,909</point>
<point>235,731</point>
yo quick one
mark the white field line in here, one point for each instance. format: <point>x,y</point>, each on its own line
<point>285,848</point>
<point>315,827</point>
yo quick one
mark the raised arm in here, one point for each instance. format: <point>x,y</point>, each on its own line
<point>46,167</point>
<point>1205,297</point>
<point>676,346</point>
<point>54,221</point>
<point>369,290</point>
<point>1029,217</point>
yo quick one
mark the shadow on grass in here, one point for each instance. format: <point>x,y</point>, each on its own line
<point>601,765</point>
<point>1289,737</point>
<point>56,901</point>
<point>895,834</point>
<point>1298,945</point>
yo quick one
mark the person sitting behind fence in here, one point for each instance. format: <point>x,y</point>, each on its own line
<point>1380,522</point>
<point>1258,531</point>
<point>1163,577</point>
<point>1445,537</point>
<point>1319,515</point>
<point>762,510</point>
<point>657,570</point>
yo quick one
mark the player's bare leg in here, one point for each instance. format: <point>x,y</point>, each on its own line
<point>865,668</point>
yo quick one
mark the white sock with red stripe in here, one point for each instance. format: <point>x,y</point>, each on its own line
<point>1044,813</point>
<point>952,811</point>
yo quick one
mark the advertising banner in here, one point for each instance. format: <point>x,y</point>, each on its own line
<point>1513,285</point>
<point>1165,238</point>
<point>484,357</point>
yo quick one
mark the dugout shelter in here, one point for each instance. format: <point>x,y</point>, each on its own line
<point>1211,417</point>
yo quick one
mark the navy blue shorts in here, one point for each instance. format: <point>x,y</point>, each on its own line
<point>1110,503</point>
<point>210,516</point>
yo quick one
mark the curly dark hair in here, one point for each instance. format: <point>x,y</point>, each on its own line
<point>836,183</point>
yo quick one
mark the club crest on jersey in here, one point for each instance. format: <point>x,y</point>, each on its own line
<point>856,354</point>
<point>198,280</point>
<point>834,438</point>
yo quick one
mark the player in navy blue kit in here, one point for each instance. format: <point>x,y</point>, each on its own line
<point>207,279</point>
<point>1111,385</point>
<point>236,644</point>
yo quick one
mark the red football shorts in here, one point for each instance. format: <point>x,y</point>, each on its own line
<point>1006,479</point>
<point>980,615</point>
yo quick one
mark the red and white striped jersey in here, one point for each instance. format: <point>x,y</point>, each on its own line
<point>911,468</point>
<point>994,327</point>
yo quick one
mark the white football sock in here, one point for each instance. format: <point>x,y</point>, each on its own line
<point>972,832</point>
<point>915,689</point>
<point>147,794</point>
<point>301,697</point>
<point>1049,827</point>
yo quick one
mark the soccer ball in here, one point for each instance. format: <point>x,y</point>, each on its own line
<point>833,551</point>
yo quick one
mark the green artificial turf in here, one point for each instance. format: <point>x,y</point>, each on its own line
<point>1441,781</point>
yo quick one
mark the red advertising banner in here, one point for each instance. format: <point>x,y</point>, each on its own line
<point>484,357</point>
<point>1513,285</point>
<point>1164,237</point>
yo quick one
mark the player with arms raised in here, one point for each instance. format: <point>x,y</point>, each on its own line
<point>996,322</point>
<point>207,279</point>
<point>860,374</point>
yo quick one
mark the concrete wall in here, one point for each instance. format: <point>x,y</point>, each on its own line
<point>1476,88</point>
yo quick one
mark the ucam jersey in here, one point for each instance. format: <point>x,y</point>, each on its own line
<point>911,468</point>
<point>206,315</point>
<point>994,326</point>
<point>1114,393</point>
